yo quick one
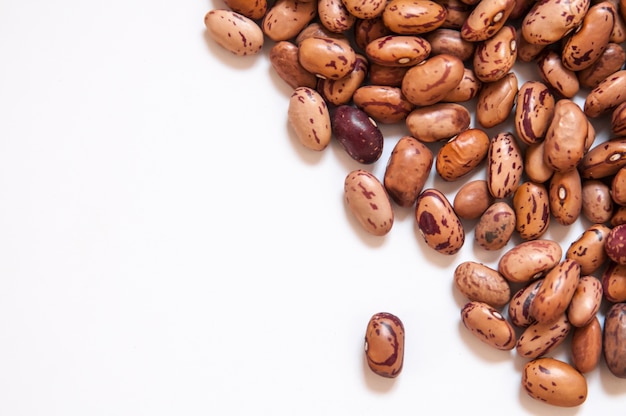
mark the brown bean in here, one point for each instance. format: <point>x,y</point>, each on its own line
<point>556,292</point>
<point>472,199</point>
<point>496,100</point>
<point>619,216</point>
<point>449,41</point>
<point>234,32</point>
<point>611,60</point>
<point>618,187</point>
<point>588,249</point>
<point>530,260</point>
<point>505,165</point>
<point>565,196</point>
<point>309,117</point>
<point>358,134</point>
<point>286,18</point>
<point>317,30</point>
<point>398,50</point>
<point>408,155</point>
<point>462,154</point>
<point>519,306</point>
<point>496,226</point>
<point>429,82</point>
<point>614,282</point>
<point>365,9</point>
<point>494,57</point>
<point>437,122</point>
<point>539,339</point>
<point>327,58</point>
<point>615,339</point>
<point>437,222</point>
<point>341,91</point>
<point>384,344</point>
<point>383,103</point>
<point>565,141</point>
<point>386,75</point>
<point>552,71</point>
<point>334,16</point>
<point>254,10</point>
<point>284,59</point>
<point>413,17</point>
<point>586,301</point>
<point>488,325</point>
<point>532,210</point>
<point>366,30</point>
<point>604,160</point>
<point>486,18</point>
<point>481,283</point>
<point>590,38</point>
<point>597,202</point>
<point>467,89</point>
<point>554,382</point>
<point>586,346</point>
<point>548,22</point>
<point>368,202</point>
<point>534,108</point>
<point>618,120</point>
<point>535,167</point>
<point>607,95</point>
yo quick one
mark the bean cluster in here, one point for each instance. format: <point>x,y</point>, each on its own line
<point>428,64</point>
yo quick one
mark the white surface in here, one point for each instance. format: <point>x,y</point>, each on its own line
<point>167,247</point>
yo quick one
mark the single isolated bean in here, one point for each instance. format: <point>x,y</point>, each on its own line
<point>554,382</point>
<point>384,344</point>
<point>309,117</point>
<point>368,202</point>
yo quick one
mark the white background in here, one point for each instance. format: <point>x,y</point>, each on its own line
<point>167,247</point>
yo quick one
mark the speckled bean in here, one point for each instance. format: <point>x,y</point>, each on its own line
<point>408,155</point>
<point>556,292</point>
<point>495,227</point>
<point>597,202</point>
<point>365,9</point>
<point>565,196</point>
<point>285,19</point>
<point>366,30</point>
<point>368,202</point>
<point>548,21</point>
<point>611,60</point>
<point>384,344</point>
<point>615,244</point>
<point>552,71</point>
<point>234,32</point>
<point>530,260</point>
<point>386,75</point>
<point>618,120</point>
<point>440,121</point>
<point>603,160</point>
<point>429,82</point>
<point>449,41</point>
<point>614,282</point>
<point>534,109</point>
<point>341,91</point>
<point>519,306</point>
<point>254,10</point>
<point>398,50</point>
<point>554,382</point>
<point>486,18</point>
<point>326,57</point>
<point>607,95</point>
<point>532,210</point>
<point>539,338</point>
<point>385,104</point>
<point>309,117</point>
<point>467,89</point>
<point>586,346</point>
<point>495,57</point>
<point>461,154</point>
<point>413,17</point>
<point>588,249</point>
<point>496,100</point>
<point>535,167</point>
<point>488,325</point>
<point>284,60</point>
<point>505,165</point>
<point>615,339</point>
<point>358,134</point>
<point>437,222</point>
<point>334,16</point>
<point>586,301</point>
<point>481,283</point>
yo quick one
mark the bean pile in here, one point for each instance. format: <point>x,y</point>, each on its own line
<point>354,65</point>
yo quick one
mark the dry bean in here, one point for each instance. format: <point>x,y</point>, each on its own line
<point>413,17</point>
<point>309,117</point>
<point>597,202</point>
<point>539,339</point>
<point>386,75</point>
<point>562,80</point>
<point>284,59</point>
<point>462,154</point>
<point>610,61</point>
<point>478,282</point>
<point>534,108</point>
<point>285,19</point>
<point>382,103</point>
<point>467,89</point>
<point>457,12</point>
<point>429,82</point>
<point>334,16</point>
<point>365,9</point>
<point>449,41</point>
<point>505,165</point>
<point>437,122</point>
<point>366,30</point>
<point>488,325</point>
<point>615,339</point>
<point>496,100</point>
<point>614,282</point>
<point>408,155</point>
<point>615,244</point>
<point>234,32</point>
<point>357,133</point>
<point>368,202</point>
<point>586,346</point>
<point>535,167</point>
<point>530,260</point>
<point>496,226</point>
<point>565,196</point>
<point>607,95</point>
<point>618,120</point>
<point>604,160</point>
<point>565,141</point>
<point>548,22</point>
<point>519,306</point>
<point>340,91</point>
<point>472,199</point>
<point>326,57</point>
<point>588,249</point>
<point>398,50</point>
<point>554,382</point>
<point>384,344</point>
<point>437,222</point>
<point>532,210</point>
<point>495,57</point>
<point>586,301</point>
<point>486,19</point>
<point>556,292</point>
<point>254,10</point>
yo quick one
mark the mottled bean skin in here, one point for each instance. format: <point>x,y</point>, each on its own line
<point>496,226</point>
<point>365,9</point>
<point>472,199</point>
<point>386,75</point>
<point>462,154</point>
<point>285,19</point>
<point>253,9</point>
<point>519,306</point>
<point>334,16</point>
<point>341,91</point>
<point>609,93</point>
<point>586,301</point>
<point>586,346</point>
<point>505,165</point>
<point>554,382</point>
<point>496,100</point>
<point>466,89</point>
<point>478,282</point>
<point>413,17</point>
<point>548,21</point>
<point>366,30</point>
<point>565,196</point>
<point>284,59</point>
<point>588,249</point>
<point>603,160</point>
<point>437,222</point>
<point>309,117</point>
<point>618,121</point>
<point>488,325</point>
<point>553,73</point>
<point>533,111</point>
<point>368,202</point>
<point>611,60</point>
<point>614,282</point>
<point>385,104</point>
<point>234,32</point>
<point>429,82</point>
<point>615,244</point>
<point>495,57</point>
<point>357,133</point>
<point>384,344</point>
<point>440,121</point>
<point>327,58</point>
<point>565,141</point>
<point>532,210</point>
<point>615,339</point>
<point>398,50</point>
<point>407,170</point>
<point>556,292</point>
<point>539,339</point>
<point>535,167</point>
<point>444,40</point>
<point>486,19</point>
<point>597,202</point>
<point>530,260</point>
<point>456,13</point>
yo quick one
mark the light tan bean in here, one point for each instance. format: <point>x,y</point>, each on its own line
<point>539,339</point>
<point>614,282</point>
<point>488,325</point>
<point>334,16</point>
<point>607,95</point>
<point>234,32</point>
<point>611,60</point>
<point>341,91</point>
<point>552,71</point>
<point>486,18</point>
<point>548,22</point>
<point>496,100</point>
<point>615,339</point>
<point>530,260</point>
<point>326,57</point>
<point>437,222</point>
<point>567,386</point>
<point>586,301</point>
<point>472,199</point>
<point>440,121</point>
<point>532,210</point>
<point>565,141</point>
<point>556,292</point>
<point>429,82</point>
<point>588,249</point>
<point>284,60</point>
<point>413,17</point>
<point>534,108</point>
<point>495,57</point>
<point>603,160</point>
<point>398,50</point>
<point>368,202</point>
<point>481,283</point>
<point>385,104</point>
<point>519,306</point>
<point>309,117</point>
<point>285,19</point>
<point>597,202</point>
<point>535,166</point>
<point>496,226</point>
<point>565,195</point>
<point>505,165</point>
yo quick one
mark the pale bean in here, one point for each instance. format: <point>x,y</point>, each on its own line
<point>368,202</point>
